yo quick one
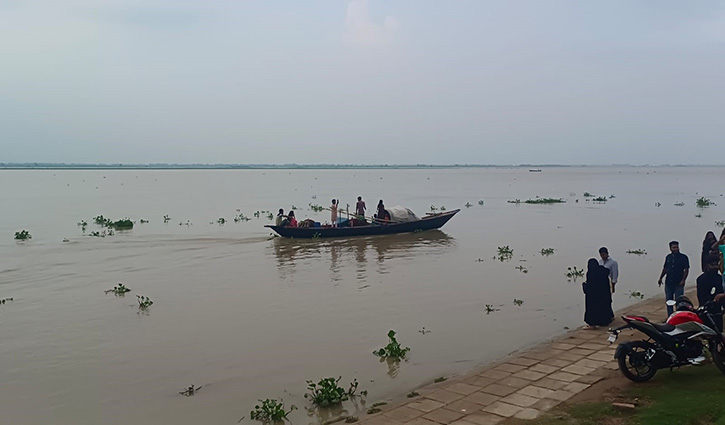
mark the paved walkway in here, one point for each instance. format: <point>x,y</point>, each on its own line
<point>522,386</point>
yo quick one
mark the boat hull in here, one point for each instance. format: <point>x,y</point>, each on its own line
<point>427,223</point>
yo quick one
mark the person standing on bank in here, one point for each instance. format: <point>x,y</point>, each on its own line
<point>597,296</point>
<point>677,267</point>
<point>611,265</point>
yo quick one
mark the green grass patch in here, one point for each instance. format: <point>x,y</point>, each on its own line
<point>688,396</point>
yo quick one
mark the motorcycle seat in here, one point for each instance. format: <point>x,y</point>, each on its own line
<point>663,327</point>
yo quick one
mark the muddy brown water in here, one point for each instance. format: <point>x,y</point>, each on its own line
<point>248,317</point>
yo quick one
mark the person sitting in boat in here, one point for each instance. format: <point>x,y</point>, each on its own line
<point>280,217</point>
<point>383,214</point>
<point>292,221</point>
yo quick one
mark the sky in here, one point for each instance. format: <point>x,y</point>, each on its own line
<point>362,81</point>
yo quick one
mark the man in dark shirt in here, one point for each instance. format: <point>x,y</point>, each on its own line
<point>677,267</point>
<point>710,279</point>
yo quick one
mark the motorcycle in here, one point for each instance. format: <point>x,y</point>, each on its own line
<point>679,342</point>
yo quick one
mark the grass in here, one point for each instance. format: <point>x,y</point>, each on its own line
<point>23,235</point>
<point>688,396</point>
<point>538,200</point>
<point>393,350</point>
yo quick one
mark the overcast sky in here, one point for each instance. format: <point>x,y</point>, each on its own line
<point>362,81</point>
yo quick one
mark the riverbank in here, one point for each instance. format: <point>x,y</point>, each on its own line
<point>524,385</point>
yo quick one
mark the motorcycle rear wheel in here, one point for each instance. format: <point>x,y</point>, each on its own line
<point>718,355</point>
<point>633,362</point>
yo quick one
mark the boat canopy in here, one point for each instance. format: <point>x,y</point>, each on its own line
<point>401,214</point>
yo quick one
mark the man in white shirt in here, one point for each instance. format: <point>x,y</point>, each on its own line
<point>609,263</point>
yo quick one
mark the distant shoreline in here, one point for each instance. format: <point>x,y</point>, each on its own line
<point>61,166</point>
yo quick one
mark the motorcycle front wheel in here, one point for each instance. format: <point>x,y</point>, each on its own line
<point>717,349</point>
<point>633,362</point>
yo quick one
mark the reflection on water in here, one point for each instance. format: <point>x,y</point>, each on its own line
<point>292,254</point>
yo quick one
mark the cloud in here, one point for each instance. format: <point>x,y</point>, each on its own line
<point>361,29</point>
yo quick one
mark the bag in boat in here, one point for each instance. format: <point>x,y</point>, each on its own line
<point>401,214</point>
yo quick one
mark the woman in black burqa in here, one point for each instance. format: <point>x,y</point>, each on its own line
<point>597,296</point>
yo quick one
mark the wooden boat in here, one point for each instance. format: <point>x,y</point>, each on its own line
<point>431,221</point>
<point>535,170</point>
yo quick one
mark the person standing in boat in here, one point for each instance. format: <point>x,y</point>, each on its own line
<point>333,212</point>
<point>360,208</point>
<point>280,217</point>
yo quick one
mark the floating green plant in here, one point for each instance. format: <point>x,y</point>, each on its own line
<point>82,223</point>
<point>698,215</point>
<point>612,196</point>
<point>573,272</point>
<point>294,207</point>
<point>658,204</point>
<point>490,308</point>
<point>142,221</point>
<point>393,350</point>
<point>636,294</point>
<point>599,199</point>
<point>119,289</point>
<point>256,214</point>
<point>101,220</point>
<point>679,204</point>
<point>327,392</point>
<point>124,224</point>
<point>270,216</point>
<point>704,202</point>
<point>316,208</point>
<point>637,251</point>
<point>504,253</point>
<point>270,411</point>
<point>190,391</point>
<point>480,202</point>
<point>23,235</point>
<point>468,205</point>
<point>221,220</point>
<point>538,200</point>
<point>4,300</point>
<point>547,251</point>
<point>522,269</point>
<point>518,302</point>
<point>443,207</point>
<point>433,208</point>
<point>514,201</point>
<point>166,219</point>
<point>720,223</point>
<point>588,195</point>
<point>238,218</point>
<point>144,302</point>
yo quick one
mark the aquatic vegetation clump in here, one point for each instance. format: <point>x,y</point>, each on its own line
<point>270,410</point>
<point>101,220</point>
<point>637,251</point>
<point>23,235</point>
<point>4,300</point>
<point>538,200</point>
<point>679,204</point>
<point>518,302</point>
<point>119,289</point>
<point>166,219</point>
<point>573,272</point>
<point>238,218</point>
<point>468,205</point>
<point>221,220</point>
<point>588,195</point>
<point>480,202</point>
<point>504,253</point>
<point>636,294</point>
<point>316,208</point>
<point>142,221</point>
<point>144,302</point>
<point>190,391</point>
<point>514,201</point>
<point>124,224</point>
<point>327,392</point>
<point>703,202</point>
<point>393,350</point>
<point>547,251</point>
<point>719,223</point>
<point>490,308</point>
<point>522,269</point>
<point>600,199</point>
